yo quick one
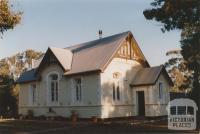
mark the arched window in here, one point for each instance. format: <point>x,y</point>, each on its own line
<point>118,92</point>
<point>114,91</point>
<point>53,81</point>
<point>160,90</point>
<point>117,86</point>
<point>32,93</point>
<point>78,89</point>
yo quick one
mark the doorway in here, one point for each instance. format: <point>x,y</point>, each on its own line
<point>141,103</point>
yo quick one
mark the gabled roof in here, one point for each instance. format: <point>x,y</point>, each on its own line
<point>94,55</point>
<point>149,76</point>
<point>90,56</point>
<point>27,76</point>
<point>64,56</point>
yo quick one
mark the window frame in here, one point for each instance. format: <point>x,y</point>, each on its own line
<point>54,90</point>
<point>32,94</point>
<point>78,96</point>
<point>113,93</point>
<point>116,91</point>
<point>160,90</point>
<point>49,93</point>
<point>118,94</point>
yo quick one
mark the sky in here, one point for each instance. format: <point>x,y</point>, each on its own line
<point>62,23</point>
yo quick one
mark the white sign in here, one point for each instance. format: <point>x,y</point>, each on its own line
<point>182,114</point>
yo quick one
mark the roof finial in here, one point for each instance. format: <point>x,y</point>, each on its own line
<point>100,34</point>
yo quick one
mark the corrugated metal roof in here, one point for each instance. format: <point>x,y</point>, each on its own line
<point>64,56</point>
<point>94,55</point>
<point>27,76</point>
<point>147,76</point>
<point>86,57</point>
<point>98,42</point>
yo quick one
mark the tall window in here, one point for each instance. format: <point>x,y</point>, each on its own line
<point>33,93</point>
<point>54,87</point>
<point>160,90</point>
<point>78,89</point>
<point>116,92</point>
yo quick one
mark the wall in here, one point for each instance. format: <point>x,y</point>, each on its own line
<point>23,95</point>
<point>161,103</point>
<point>97,94</point>
<point>124,107</point>
<point>154,106</point>
<point>89,106</point>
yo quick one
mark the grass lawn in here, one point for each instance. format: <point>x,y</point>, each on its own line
<point>62,127</point>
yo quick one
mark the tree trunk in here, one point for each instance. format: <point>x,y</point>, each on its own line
<point>195,95</point>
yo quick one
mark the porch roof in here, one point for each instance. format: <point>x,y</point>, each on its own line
<point>149,76</point>
<point>27,76</point>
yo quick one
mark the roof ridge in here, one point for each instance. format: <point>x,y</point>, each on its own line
<point>97,42</point>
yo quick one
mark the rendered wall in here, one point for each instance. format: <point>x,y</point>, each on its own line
<point>154,106</point>
<point>89,106</point>
<point>124,107</point>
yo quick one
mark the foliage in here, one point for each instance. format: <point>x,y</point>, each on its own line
<point>178,71</point>
<point>191,53</point>
<point>10,69</point>
<point>8,101</point>
<point>8,18</point>
<point>185,16</point>
<point>4,68</point>
<point>18,63</point>
<point>175,14</point>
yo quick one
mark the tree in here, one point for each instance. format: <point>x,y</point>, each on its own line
<point>185,16</point>
<point>8,101</point>
<point>18,63</point>
<point>191,53</point>
<point>31,54</point>
<point>175,14</point>
<point>8,18</point>
<point>178,71</point>
<point>10,69</point>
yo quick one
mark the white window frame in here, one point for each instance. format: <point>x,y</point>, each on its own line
<point>73,91</point>
<point>32,99</point>
<point>54,92</point>
<point>160,90</point>
<point>78,89</point>
<point>49,99</point>
<point>118,83</point>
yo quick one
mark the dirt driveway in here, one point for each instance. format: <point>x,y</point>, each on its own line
<point>62,127</point>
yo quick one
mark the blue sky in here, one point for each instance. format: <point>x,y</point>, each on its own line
<point>62,23</point>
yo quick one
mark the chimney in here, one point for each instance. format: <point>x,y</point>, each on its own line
<point>100,34</point>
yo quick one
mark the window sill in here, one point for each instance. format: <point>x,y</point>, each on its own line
<point>77,103</point>
<point>33,105</point>
<point>54,104</point>
<point>118,102</point>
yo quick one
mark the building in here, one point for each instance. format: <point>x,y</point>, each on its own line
<point>109,77</point>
